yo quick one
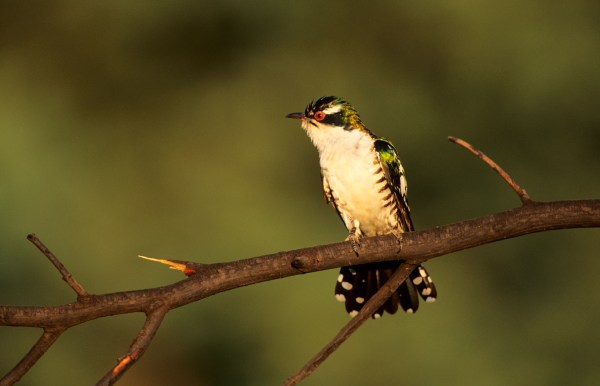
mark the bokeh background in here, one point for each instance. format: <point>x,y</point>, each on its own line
<point>158,128</point>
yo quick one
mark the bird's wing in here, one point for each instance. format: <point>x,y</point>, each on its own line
<point>396,180</point>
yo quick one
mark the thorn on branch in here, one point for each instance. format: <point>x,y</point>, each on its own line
<point>188,268</point>
<point>66,275</point>
<point>523,196</point>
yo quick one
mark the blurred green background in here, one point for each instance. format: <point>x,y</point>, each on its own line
<point>158,128</point>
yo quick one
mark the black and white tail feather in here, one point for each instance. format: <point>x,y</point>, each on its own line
<point>357,284</point>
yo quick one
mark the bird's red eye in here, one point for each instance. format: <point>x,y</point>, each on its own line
<point>319,115</point>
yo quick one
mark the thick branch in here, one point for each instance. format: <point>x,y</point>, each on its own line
<point>214,278</point>
<point>207,280</point>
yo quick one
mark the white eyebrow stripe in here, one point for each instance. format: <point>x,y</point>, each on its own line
<point>333,109</point>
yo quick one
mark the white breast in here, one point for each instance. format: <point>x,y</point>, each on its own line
<point>349,164</point>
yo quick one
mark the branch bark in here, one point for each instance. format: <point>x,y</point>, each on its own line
<point>523,196</point>
<point>66,275</point>
<point>138,347</point>
<point>208,279</point>
<point>211,279</point>
<point>372,305</point>
<point>417,247</point>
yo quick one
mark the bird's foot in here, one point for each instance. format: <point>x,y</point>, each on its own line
<point>398,235</point>
<point>354,238</point>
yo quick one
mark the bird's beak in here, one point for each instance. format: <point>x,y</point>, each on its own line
<point>296,115</point>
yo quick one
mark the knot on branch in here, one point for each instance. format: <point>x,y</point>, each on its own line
<point>301,262</point>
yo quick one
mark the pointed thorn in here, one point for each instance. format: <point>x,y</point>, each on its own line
<point>172,264</point>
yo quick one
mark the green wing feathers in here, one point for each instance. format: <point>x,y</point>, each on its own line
<point>394,174</point>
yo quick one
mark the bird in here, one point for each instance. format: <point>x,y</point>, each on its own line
<point>364,180</point>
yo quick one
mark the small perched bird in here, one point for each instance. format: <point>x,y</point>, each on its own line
<point>364,181</point>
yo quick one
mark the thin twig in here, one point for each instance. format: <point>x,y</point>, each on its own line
<point>39,348</point>
<point>66,275</point>
<point>371,306</point>
<point>523,196</point>
<point>138,347</point>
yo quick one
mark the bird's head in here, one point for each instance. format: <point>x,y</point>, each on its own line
<point>327,113</point>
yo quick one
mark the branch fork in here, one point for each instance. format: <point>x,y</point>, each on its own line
<point>208,279</point>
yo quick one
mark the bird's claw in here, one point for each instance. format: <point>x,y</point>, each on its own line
<point>354,239</point>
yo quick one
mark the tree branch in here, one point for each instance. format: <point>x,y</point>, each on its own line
<point>66,275</point>
<point>211,279</point>
<point>39,348</point>
<point>138,347</point>
<point>372,305</point>
<point>208,279</point>
<point>399,276</point>
<point>512,183</point>
<point>417,247</point>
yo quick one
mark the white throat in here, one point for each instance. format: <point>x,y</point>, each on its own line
<point>338,140</point>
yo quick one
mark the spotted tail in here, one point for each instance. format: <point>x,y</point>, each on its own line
<point>356,285</point>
